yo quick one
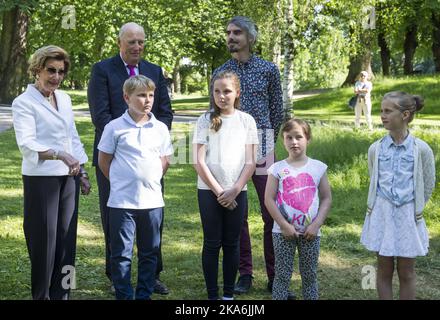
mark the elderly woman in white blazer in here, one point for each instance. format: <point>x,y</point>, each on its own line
<point>52,169</point>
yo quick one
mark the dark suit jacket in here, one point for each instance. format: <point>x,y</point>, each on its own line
<point>105,95</point>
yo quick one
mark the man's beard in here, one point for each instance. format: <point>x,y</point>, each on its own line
<point>232,49</point>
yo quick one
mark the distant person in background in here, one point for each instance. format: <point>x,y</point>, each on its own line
<point>52,168</point>
<point>362,88</point>
<point>106,102</point>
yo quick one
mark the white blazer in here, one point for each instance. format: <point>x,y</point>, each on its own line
<point>39,127</point>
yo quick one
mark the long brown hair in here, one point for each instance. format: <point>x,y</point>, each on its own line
<point>216,121</point>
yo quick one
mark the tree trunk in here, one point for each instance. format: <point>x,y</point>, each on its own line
<point>361,61</point>
<point>275,39</point>
<point>436,40</point>
<point>385,54</point>
<point>289,51</point>
<point>276,54</point>
<point>357,64</point>
<point>13,54</point>
<point>395,65</point>
<point>77,85</point>
<point>176,77</point>
<point>409,48</point>
<point>99,41</point>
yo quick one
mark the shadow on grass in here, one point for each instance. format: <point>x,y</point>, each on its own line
<point>342,256</point>
<point>192,104</point>
<point>12,206</point>
<point>190,100</point>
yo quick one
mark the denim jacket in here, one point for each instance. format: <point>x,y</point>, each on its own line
<point>424,175</point>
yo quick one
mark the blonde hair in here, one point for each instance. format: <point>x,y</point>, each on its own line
<point>38,60</point>
<point>364,73</point>
<point>216,121</point>
<point>288,125</point>
<point>406,102</point>
<point>136,82</point>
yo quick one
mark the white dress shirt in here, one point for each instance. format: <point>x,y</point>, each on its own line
<point>136,67</point>
<point>39,127</point>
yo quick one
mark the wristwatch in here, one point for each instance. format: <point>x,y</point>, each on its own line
<point>83,173</point>
<point>55,155</point>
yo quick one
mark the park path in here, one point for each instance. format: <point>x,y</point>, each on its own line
<point>182,116</point>
<point>6,117</point>
<point>297,95</point>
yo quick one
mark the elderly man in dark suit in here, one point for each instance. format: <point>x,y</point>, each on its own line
<point>106,103</point>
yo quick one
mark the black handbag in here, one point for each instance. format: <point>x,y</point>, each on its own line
<point>352,102</point>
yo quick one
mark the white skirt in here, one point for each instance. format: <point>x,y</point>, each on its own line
<point>392,231</point>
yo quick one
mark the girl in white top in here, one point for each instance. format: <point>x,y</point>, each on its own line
<point>225,142</point>
<point>298,197</point>
<point>362,89</point>
<point>402,178</point>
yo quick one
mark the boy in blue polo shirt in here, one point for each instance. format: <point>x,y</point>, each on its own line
<point>134,154</point>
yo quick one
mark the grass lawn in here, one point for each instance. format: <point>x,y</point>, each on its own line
<point>342,257</point>
<point>183,104</point>
<point>329,106</point>
<point>332,105</point>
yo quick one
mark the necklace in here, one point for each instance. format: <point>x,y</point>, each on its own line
<point>48,98</point>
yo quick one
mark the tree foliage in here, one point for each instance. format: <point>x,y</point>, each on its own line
<point>329,37</point>
<point>13,39</point>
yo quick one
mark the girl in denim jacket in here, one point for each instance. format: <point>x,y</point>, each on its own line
<point>402,178</point>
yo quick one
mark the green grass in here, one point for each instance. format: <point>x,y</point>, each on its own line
<point>190,104</point>
<point>332,105</point>
<point>79,99</point>
<point>183,104</point>
<point>342,257</point>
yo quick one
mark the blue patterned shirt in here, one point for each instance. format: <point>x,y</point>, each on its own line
<point>396,170</point>
<point>261,97</point>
